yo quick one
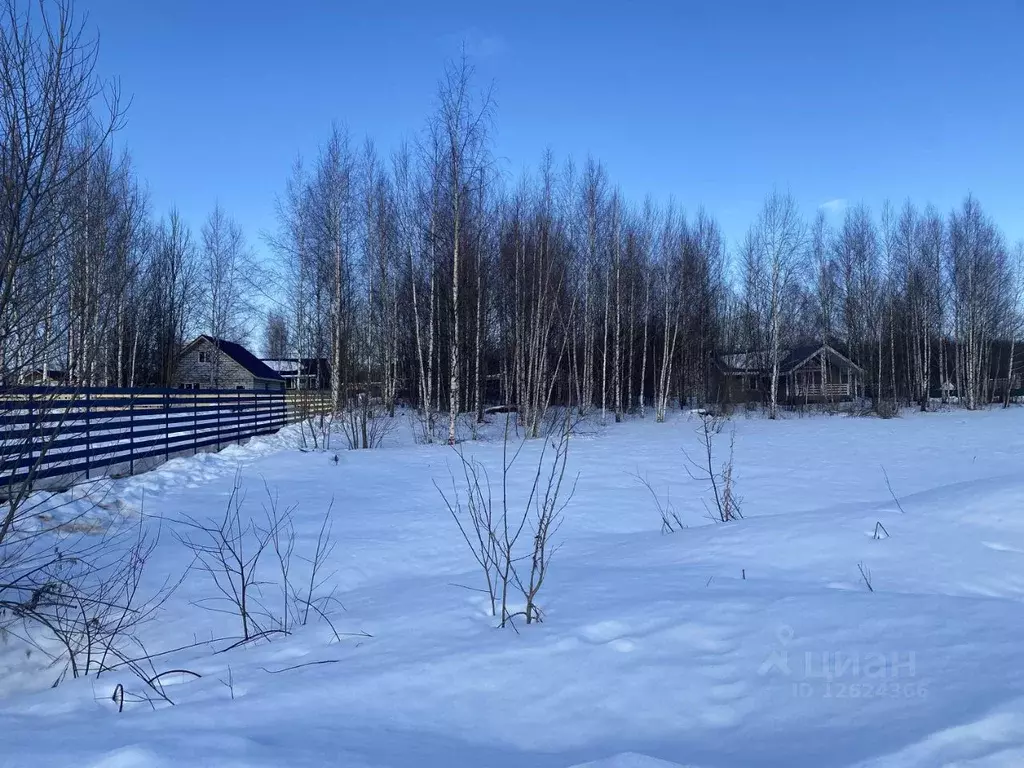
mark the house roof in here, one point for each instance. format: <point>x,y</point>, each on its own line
<point>789,359</point>
<point>293,366</point>
<point>742,361</point>
<point>240,355</point>
<point>282,365</point>
<point>800,355</point>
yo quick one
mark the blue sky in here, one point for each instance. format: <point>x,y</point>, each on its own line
<point>714,103</point>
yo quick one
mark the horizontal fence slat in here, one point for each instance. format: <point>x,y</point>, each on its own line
<point>60,405</point>
<point>63,417</point>
<point>133,391</point>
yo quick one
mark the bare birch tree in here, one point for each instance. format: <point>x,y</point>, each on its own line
<point>460,131</point>
<point>776,245</point>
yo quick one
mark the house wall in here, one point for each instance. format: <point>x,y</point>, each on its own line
<point>737,389</point>
<point>835,376</point>
<point>218,372</point>
<point>998,387</point>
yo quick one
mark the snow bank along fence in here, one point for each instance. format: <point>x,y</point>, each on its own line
<point>65,434</point>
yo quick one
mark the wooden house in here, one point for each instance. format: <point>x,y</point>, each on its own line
<point>811,373</point>
<point>302,372</point>
<point>210,363</point>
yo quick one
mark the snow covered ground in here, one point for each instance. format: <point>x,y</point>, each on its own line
<point>751,643</point>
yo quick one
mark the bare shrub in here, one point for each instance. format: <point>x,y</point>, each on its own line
<point>862,407</point>
<point>468,424</point>
<point>311,595</point>
<point>424,426</point>
<point>865,576</point>
<point>721,478</point>
<point>73,594</point>
<point>494,531</point>
<point>886,409</point>
<point>472,508</point>
<point>315,432</point>
<point>892,493</point>
<point>670,522</point>
<point>548,505</point>
<point>428,429</point>
<point>364,426</point>
<point>231,549</point>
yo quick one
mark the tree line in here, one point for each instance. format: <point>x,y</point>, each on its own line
<point>434,278</point>
<point>427,275</point>
<point>95,289</point>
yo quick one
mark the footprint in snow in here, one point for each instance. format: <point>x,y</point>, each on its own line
<point>1000,547</point>
<point>604,631</point>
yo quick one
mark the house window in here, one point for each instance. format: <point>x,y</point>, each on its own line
<point>752,383</point>
<point>240,386</point>
<point>204,356</point>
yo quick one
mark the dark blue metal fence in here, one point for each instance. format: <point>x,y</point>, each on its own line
<point>49,432</point>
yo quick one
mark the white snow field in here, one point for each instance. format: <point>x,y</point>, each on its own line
<point>736,645</point>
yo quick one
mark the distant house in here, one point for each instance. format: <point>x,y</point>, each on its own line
<point>808,373</point>
<point>1006,370</point>
<point>210,363</point>
<point>52,377</point>
<point>302,372</point>
<point>1003,371</point>
<point>34,377</point>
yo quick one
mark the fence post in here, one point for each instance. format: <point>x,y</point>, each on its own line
<point>88,435</point>
<point>167,425</point>
<point>33,429</point>
<point>239,416</point>
<point>131,434</point>
<point>217,404</point>
<point>195,422</point>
